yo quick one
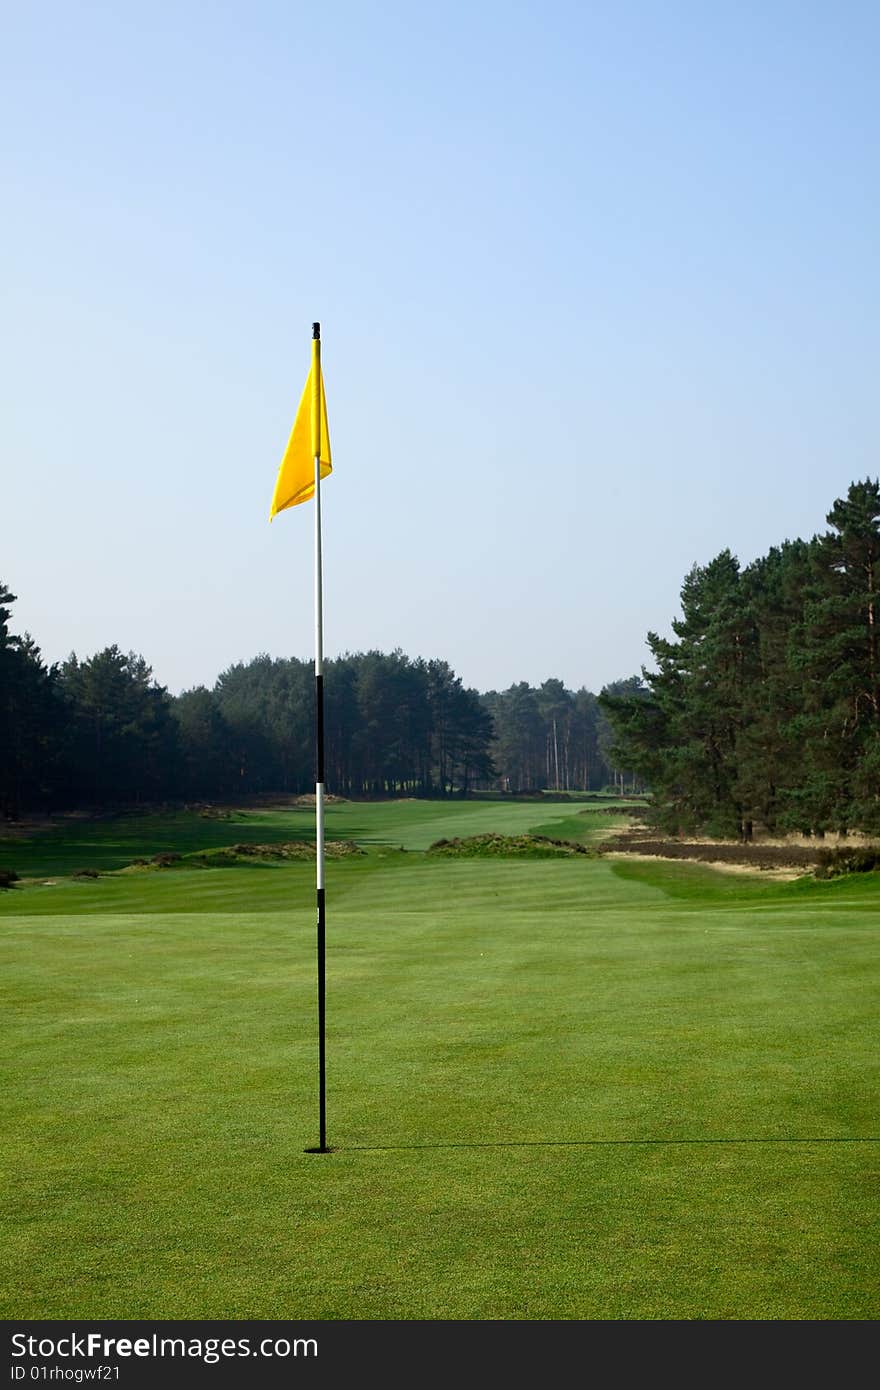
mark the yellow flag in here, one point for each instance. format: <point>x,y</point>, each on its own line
<point>309,437</point>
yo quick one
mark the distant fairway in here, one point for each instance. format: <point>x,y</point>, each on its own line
<point>569,1089</point>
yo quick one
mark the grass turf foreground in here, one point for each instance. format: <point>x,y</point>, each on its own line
<point>557,1089</point>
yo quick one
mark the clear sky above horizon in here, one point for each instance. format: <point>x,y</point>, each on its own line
<point>598,292</point>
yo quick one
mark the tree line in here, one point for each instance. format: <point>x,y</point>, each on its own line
<point>101,731</point>
<point>764,709</point>
<point>549,737</point>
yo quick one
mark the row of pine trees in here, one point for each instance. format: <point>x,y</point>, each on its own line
<point>763,711</point>
<point>101,731</point>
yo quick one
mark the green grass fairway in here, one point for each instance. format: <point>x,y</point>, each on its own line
<point>571,1089</point>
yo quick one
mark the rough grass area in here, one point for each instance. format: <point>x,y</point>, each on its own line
<point>494,846</point>
<point>756,856</point>
<point>851,860</point>
<point>240,854</point>
<point>814,859</point>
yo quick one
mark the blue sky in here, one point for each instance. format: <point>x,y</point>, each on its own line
<point>598,291</point>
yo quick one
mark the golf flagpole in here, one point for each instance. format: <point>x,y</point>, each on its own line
<point>317,385</point>
<point>306,461</point>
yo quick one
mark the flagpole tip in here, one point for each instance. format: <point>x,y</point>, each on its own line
<point>316,330</point>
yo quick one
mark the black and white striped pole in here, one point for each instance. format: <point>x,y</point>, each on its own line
<point>319,749</point>
<point>298,480</point>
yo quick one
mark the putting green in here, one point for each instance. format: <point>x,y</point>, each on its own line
<point>556,1089</point>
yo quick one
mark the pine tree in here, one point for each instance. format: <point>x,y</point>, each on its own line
<point>839,657</point>
<point>31,721</point>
